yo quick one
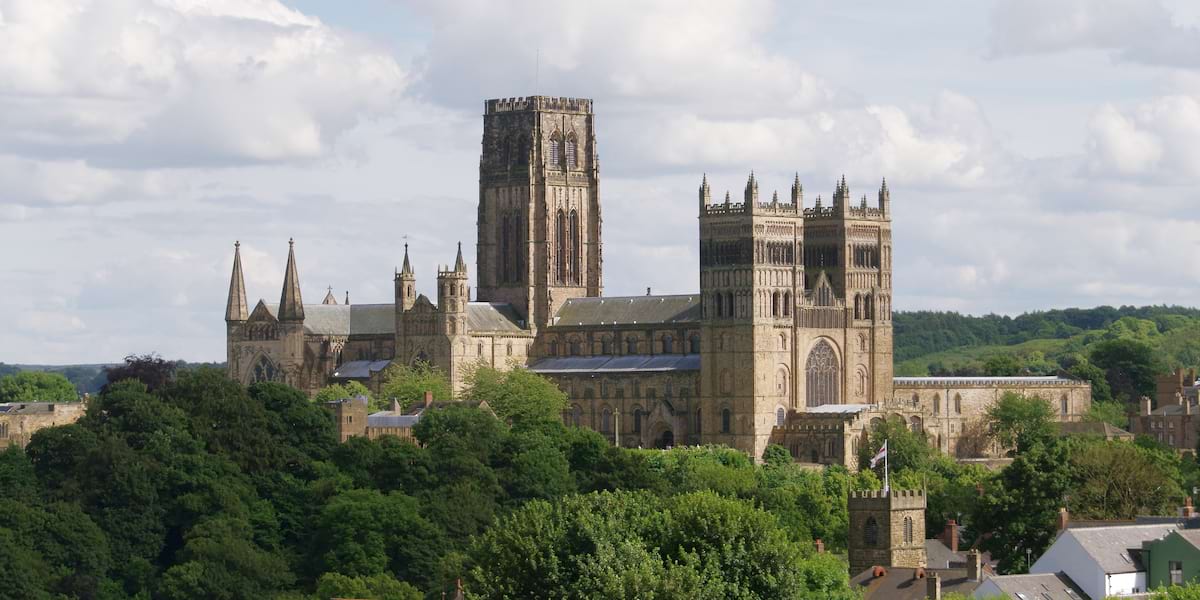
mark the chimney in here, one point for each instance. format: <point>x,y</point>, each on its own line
<point>1147,406</point>
<point>950,535</point>
<point>1187,511</point>
<point>919,573</point>
<point>974,566</point>
<point>933,587</point>
<point>878,572</point>
<point>1064,518</point>
<point>428,398</point>
<point>821,545</point>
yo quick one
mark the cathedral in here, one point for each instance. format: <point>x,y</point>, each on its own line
<point>787,341</point>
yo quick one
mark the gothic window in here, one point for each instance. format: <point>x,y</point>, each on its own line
<point>522,151</point>
<point>729,304</point>
<point>479,349</point>
<point>553,351</point>
<point>606,345</point>
<point>561,248</point>
<point>264,370</point>
<point>908,530</point>
<point>505,249</point>
<point>860,381</point>
<point>775,304</point>
<point>668,344</point>
<point>787,304</point>
<point>576,248</point>
<point>718,305</point>
<point>1063,405</point>
<point>606,420</point>
<point>783,341</point>
<point>914,424</point>
<point>937,404</point>
<point>726,418</point>
<point>574,347</point>
<point>556,143</point>
<point>631,345</point>
<point>821,370</point>
<point>780,417</point>
<point>576,415</point>
<point>637,419</point>
<point>831,448</point>
<point>572,151</point>
<point>871,533</point>
<point>694,344</point>
<point>957,404</point>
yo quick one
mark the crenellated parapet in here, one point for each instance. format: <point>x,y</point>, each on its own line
<point>524,103</point>
<point>888,500</point>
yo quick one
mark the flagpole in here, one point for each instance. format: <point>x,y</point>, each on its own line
<point>886,489</point>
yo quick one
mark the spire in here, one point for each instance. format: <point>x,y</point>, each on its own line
<point>885,197</point>
<point>291,306</point>
<point>459,264</point>
<point>235,308</point>
<point>775,197</point>
<point>406,270</point>
<point>329,299</point>
<point>705,192</point>
<point>727,201</point>
<point>347,297</point>
<point>797,192</point>
<point>751,195</point>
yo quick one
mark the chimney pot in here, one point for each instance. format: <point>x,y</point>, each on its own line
<point>974,566</point>
<point>1064,518</point>
<point>950,535</point>
<point>878,572</point>
<point>428,398</point>
<point>933,587</point>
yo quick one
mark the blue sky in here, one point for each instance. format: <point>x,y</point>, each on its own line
<point>1040,154</point>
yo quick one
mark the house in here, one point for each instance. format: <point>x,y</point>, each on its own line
<point>352,418</point>
<point>1104,431</point>
<point>1172,560</point>
<point>905,583</point>
<point>1102,561</point>
<point>1042,586</point>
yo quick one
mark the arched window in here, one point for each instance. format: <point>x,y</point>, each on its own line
<point>576,248</point>
<point>522,151</point>
<point>914,423</point>
<point>606,420</point>
<point>871,532</point>
<point>264,370</point>
<point>729,304</point>
<point>555,154</point>
<point>560,259</point>
<point>668,344</point>
<point>908,530</point>
<point>574,347</point>
<point>572,151</point>
<point>782,383</point>
<point>726,382</point>
<point>775,304</point>
<point>726,418</point>
<point>957,404</point>
<point>783,341</point>
<point>780,417</point>
<point>576,415</point>
<point>860,380</point>
<point>637,419</point>
<point>787,304</point>
<point>694,344</point>
<point>1063,405</point>
<point>553,347</point>
<point>606,345</point>
<point>937,404</point>
<point>821,375</point>
<point>631,345</point>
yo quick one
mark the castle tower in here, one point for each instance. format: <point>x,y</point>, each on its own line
<point>236,310</point>
<point>539,205</point>
<point>846,347</point>
<point>405,282</point>
<point>453,295</point>
<point>750,279</point>
<point>887,529</point>
<point>291,323</point>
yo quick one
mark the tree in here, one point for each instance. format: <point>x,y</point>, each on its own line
<point>1129,365</point>
<point>407,385</point>
<point>221,560</point>
<point>775,455</point>
<point>1082,369</point>
<point>516,395</point>
<point>1021,421</point>
<point>373,587</point>
<point>150,369</point>
<point>340,391</point>
<point>1119,480</point>
<point>906,449</point>
<point>1002,365</point>
<point>37,386</point>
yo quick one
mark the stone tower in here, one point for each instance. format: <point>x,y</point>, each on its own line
<point>750,279</point>
<point>887,529</point>
<point>453,295</point>
<point>405,283</point>
<point>539,205</point>
<point>236,311</point>
<point>291,323</point>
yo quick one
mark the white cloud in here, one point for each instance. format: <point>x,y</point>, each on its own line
<point>1158,138</point>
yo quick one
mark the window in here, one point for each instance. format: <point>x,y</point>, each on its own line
<point>553,347</point>
<point>574,347</point>
<point>264,370</point>
<point>937,403</point>
<point>576,415</point>
<point>630,345</point>
<point>871,532</point>
<point>694,344</point>
<point>780,417</point>
<point>783,341</point>
<point>606,345</point>
<point>606,421</point>
<point>668,344</point>
<point>1176,569</point>
<point>576,248</point>
<point>555,158</point>
<point>781,382</point>
<point>914,423</point>
<point>916,401</point>
<point>908,530</point>
<point>479,349</point>
<point>637,420</point>
<point>3,430</point>
<point>560,258</point>
<point>957,404</point>
<point>821,371</point>
<point>726,418</point>
<point>1063,404</point>
<point>572,152</point>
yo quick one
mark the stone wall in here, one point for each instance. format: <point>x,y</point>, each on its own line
<point>19,421</point>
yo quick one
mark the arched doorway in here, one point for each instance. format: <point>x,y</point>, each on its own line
<point>822,372</point>
<point>666,440</point>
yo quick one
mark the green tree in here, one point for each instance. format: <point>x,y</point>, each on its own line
<point>1002,365</point>
<point>516,395</point>
<point>1119,480</point>
<point>1082,369</point>
<point>339,391</point>
<point>369,587</point>
<point>1022,421</point>
<point>37,386</point>
<point>775,455</point>
<point>906,449</point>
<point>220,560</point>
<point>407,385</point>
<point>1129,365</point>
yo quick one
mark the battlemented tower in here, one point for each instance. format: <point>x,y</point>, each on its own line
<point>539,205</point>
<point>887,529</point>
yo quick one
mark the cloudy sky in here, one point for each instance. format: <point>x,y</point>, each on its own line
<point>1040,154</point>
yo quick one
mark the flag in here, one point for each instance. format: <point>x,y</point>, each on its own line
<point>880,456</point>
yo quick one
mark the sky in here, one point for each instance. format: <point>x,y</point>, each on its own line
<point>1039,154</point>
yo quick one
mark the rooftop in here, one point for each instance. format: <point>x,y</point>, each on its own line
<point>628,310</point>
<point>1110,546</point>
<point>1038,586</point>
<point>900,583</point>
<point>630,363</point>
<point>985,381</point>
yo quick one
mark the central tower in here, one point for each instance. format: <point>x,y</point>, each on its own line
<point>539,205</point>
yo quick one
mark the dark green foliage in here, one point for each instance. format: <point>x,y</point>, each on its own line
<point>150,369</point>
<point>517,395</point>
<point>1130,366</point>
<point>37,386</point>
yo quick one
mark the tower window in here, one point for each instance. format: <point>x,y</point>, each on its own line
<point>572,152</point>
<point>561,248</point>
<point>908,530</point>
<point>726,418</point>
<point>555,151</point>
<point>871,532</point>
<point>780,417</point>
<point>576,248</point>
<point>822,374</point>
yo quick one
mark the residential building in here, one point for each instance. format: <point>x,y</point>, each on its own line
<point>1173,559</point>
<point>1030,586</point>
<point>1102,561</point>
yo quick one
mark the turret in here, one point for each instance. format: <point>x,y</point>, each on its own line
<point>885,199</point>
<point>841,196</point>
<point>406,285</point>
<point>751,194</point>
<point>453,295</point>
<point>705,193</point>
<point>291,306</point>
<point>236,310</point>
<point>798,193</point>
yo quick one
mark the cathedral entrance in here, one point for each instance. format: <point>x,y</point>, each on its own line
<point>666,440</point>
<point>822,373</point>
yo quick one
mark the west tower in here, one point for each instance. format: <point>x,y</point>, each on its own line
<point>539,205</point>
<point>887,529</point>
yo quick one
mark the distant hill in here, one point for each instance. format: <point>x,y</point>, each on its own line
<point>87,378</point>
<point>949,343</point>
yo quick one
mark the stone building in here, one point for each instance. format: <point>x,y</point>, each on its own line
<point>20,420</point>
<point>788,339</point>
<point>1173,418</point>
<point>886,529</point>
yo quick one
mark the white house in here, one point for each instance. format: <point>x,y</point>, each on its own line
<point>1102,561</point>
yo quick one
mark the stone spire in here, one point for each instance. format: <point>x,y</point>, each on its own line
<point>329,299</point>
<point>751,195</point>
<point>406,269</point>
<point>705,192</point>
<point>797,192</point>
<point>236,309</point>
<point>460,265</point>
<point>291,306</point>
<point>885,197</point>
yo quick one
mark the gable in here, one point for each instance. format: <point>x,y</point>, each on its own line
<point>262,314</point>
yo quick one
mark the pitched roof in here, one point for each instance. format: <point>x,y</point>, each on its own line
<point>630,363</point>
<point>343,319</point>
<point>1190,536</point>
<point>360,369</point>
<point>1110,546</point>
<point>1039,586</point>
<point>1105,430</point>
<point>626,310</point>
<point>899,583</point>
<point>235,307</point>
<point>291,306</point>
<point>939,556</point>
<point>492,317</point>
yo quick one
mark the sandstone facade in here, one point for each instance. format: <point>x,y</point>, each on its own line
<point>19,421</point>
